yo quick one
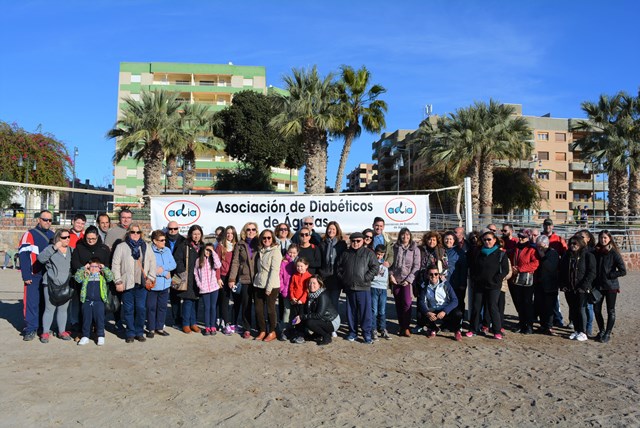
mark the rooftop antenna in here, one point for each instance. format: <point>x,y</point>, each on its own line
<point>428,109</point>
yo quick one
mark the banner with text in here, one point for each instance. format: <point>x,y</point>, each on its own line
<point>352,212</point>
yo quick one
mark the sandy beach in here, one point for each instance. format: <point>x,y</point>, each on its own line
<point>191,380</point>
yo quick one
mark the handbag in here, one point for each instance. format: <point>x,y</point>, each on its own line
<point>237,289</point>
<point>148,284</point>
<point>594,296</point>
<point>60,294</point>
<point>113,300</point>
<point>180,281</point>
<point>524,279</point>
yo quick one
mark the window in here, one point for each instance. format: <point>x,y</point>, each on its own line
<point>135,78</point>
<point>544,194</point>
<point>183,82</point>
<point>543,155</point>
<point>561,156</point>
<point>207,83</point>
<point>561,176</point>
<point>543,214</point>
<point>543,175</point>
<point>561,137</point>
<point>247,82</point>
<point>561,215</point>
<point>132,173</point>
<point>543,136</point>
<point>561,195</point>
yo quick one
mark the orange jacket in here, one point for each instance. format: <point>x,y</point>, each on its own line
<point>298,288</point>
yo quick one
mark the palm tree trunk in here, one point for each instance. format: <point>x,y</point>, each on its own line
<point>486,186</point>
<point>348,140</point>
<point>153,157</point>
<point>172,180</point>
<point>634,194</point>
<point>620,198</point>
<point>315,175</point>
<point>188,175</point>
<point>613,194</point>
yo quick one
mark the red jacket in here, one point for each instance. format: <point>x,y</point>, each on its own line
<point>557,243</point>
<point>73,238</point>
<point>525,259</point>
<point>298,287</point>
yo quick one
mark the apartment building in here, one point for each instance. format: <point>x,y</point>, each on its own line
<point>210,84</point>
<point>363,177</point>
<point>566,181</point>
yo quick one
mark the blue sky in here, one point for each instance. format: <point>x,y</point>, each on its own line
<point>60,61</point>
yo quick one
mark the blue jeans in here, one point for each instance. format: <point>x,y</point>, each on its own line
<point>379,308</point>
<point>189,312</point>
<point>359,311</point>
<point>134,303</point>
<point>210,306</point>
<point>589,318</point>
<point>157,309</point>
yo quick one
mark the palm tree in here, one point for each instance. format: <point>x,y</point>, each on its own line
<point>361,104</point>
<point>311,111</point>
<point>611,139</point>
<point>471,140</point>
<point>143,130</point>
<point>198,123</point>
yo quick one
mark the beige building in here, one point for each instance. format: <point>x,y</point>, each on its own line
<point>566,181</point>
<point>363,177</point>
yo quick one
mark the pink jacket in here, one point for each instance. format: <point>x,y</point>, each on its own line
<point>206,277</point>
<point>287,269</point>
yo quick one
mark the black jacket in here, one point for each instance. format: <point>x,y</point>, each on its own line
<point>488,271</point>
<point>192,292</point>
<point>545,278</point>
<point>326,270</point>
<point>313,256</point>
<point>178,245</point>
<point>357,268</point>
<point>609,267</point>
<point>84,253</point>
<point>586,272</point>
<point>320,309</point>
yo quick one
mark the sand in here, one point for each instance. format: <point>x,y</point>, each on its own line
<point>191,380</point>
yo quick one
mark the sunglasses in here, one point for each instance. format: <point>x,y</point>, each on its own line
<point>48,220</point>
<point>283,229</point>
<point>305,234</point>
<point>161,240</point>
<point>356,241</point>
<point>488,239</point>
<point>431,275</point>
<point>504,231</point>
<point>308,224</point>
<point>267,238</point>
<point>65,237</point>
<point>250,229</point>
<point>135,232</point>
<point>368,237</point>
<point>173,228</point>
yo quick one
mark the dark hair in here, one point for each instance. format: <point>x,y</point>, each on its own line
<point>104,215</point>
<point>432,234</point>
<point>402,232</point>
<point>380,249</point>
<point>125,211</point>
<point>592,240</point>
<point>193,229</point>
<point>157,234</point>
<point>44,211</point>
<point>203,255</point>
<point>294,246</point>
<point>79,217</point>
<point>273,238</point>
<point>431,267</point>
<point>302,260</point>
<point>317,278</point>
<point>223,241</point>
<point>92,230</point>
<point>450,233</point>
<point>579,240</point>
<point>611,242</point>
<point>95,260</point>
<point>377,219</point>
<point>338,229</point>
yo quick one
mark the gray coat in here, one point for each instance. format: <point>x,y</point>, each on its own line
<point>57,265</point>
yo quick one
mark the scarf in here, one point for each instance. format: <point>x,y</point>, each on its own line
<point>331,254</point>
<point>313,296</point>
<point>486,251</point>
<point>228,246</point>
<point>135,247</point>
<point>250,246</point>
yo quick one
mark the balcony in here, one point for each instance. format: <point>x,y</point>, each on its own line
<point>600,205</point>
<point>577,166</point>
<point>600,186</point>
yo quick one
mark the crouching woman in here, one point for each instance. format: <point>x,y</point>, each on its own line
<point>321,317</point>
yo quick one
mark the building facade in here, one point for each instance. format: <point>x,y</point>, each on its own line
<point>567,182</point>
<point>363,177</point>
<point>211,84</point>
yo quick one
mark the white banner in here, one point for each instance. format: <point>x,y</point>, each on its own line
<point>352,212</point>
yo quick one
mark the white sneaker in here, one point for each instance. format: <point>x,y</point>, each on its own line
<point>334,334</point>
<point>100,341</point>
<point>83,341</point>
<point>573,335</point>
<point>581,337</point>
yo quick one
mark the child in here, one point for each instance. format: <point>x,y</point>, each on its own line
<point>287,270</point>
<point>379,287</point>
<point>207,274</point>
<point>298,291</point>
<point>93,278</point>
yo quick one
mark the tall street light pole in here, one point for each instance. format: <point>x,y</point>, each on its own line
<point>73,183</point>
<point>24,161</point>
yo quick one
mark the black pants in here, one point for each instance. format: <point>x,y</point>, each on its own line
<point>261,299</point>
<point>577,310</point>
<point>610,298</point>
<point>176,307</point>
<point>486,317</point>
<point>523,300</point>
<point>451,321</point>
<point>546,304</point>
<point>223,301</point>
<point>461,294</point>
<point>323,328</point>
<point>489,300</point>
<point>243,301</point>
<point>296,309</point>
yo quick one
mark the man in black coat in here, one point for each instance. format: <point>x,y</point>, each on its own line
<point>175,241</point>
<point>356,269</point>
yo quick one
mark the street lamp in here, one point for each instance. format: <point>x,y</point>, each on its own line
<point>167,174</point>
<point>399,163</point>
<point>73,184</point>
<point>593,186</point>
<point>24,161</point>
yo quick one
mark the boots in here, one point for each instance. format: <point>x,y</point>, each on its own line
<point>261,335</point>
<point>605,337</point>
<point>271,336</point>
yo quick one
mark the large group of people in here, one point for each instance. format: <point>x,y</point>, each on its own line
<point>274,284</point>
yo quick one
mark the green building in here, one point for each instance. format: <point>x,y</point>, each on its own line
<point>210,84</point>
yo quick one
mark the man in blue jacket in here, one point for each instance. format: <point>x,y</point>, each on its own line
<point>438,303</point>
<point>32,243</point>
